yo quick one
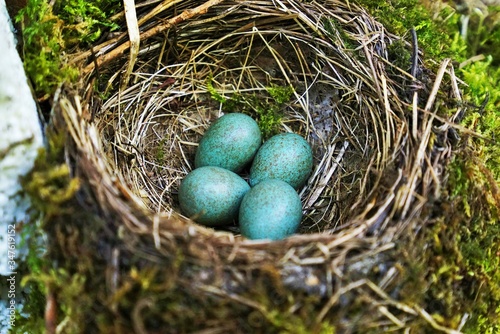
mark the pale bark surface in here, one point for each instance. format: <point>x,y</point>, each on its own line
<point>20,134</point>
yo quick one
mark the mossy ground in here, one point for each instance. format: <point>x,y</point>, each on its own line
<point>458,273</point>
<point>460,270</point>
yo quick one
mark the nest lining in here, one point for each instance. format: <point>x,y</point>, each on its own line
<point>335,106</point>
<point>372,173</point>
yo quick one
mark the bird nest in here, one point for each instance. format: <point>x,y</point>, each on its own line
<point>361,96</point>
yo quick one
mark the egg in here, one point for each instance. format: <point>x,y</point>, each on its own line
<point>212,195</point>
<point>270,210</point>
<point>286,156</point>
<point>230,142</point>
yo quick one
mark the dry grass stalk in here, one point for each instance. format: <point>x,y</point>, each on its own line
<point>133,34</point>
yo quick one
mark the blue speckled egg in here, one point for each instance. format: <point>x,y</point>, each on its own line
<point>270,210</point>
<point>230,142</point>
<point>212,195</point>
<point>286,156</point>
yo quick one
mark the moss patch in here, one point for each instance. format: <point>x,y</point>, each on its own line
<point>399,16</point>
<point>50,30</point>
<point>267,110</point>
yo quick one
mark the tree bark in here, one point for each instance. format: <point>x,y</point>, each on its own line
<point>20,138</point>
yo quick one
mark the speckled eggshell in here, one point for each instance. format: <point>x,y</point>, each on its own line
<point>230,142</point>
<point>286,156</point>
<point>212,195</point>
<point>270,210</point>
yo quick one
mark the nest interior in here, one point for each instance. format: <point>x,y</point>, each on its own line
<point>247,60</point>
<point>325,70</point>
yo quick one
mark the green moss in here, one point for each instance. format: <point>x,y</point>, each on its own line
<point>43,45</point>
<point>84,21</point>
<point>267,110</point>
<point>160,152</point>
<point>51,30</point>
<point>399,55</point>
<point>51,236</point>
<point>72,299</point>
<point>33,306</point>
<point>33,292</point>
<point>474,184</point>
<point>434,38</point>
<point>281,95</point>
<point>214,94</point>
<point>452,271</point>
<point>484,33</point>
<point>270,113</point>
<point>50,184</point>
<point>483,81</point>
<point>477,242</point>
<point>50,188</point>
<point>338,34</point>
